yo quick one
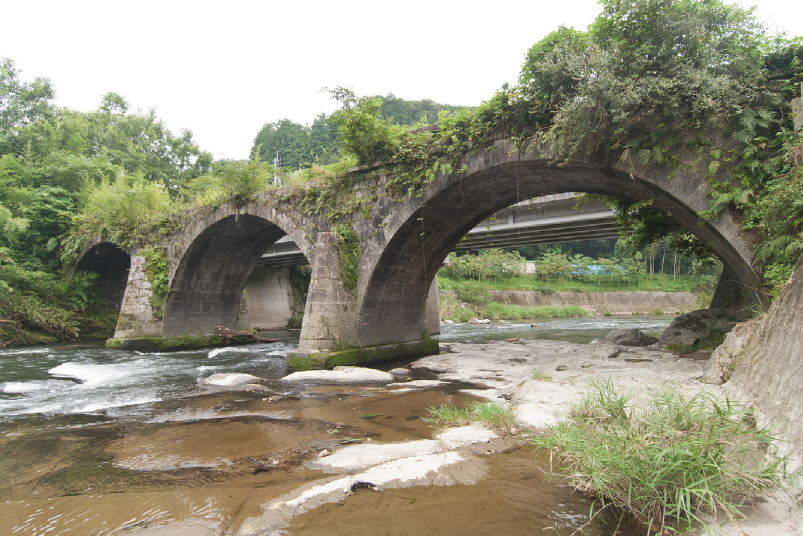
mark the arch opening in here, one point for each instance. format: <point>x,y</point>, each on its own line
<point>111,264</point>
<point>207,288</point>
<point>394,297</point>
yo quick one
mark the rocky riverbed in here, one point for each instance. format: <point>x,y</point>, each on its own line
<point>501,371</point>
<point>539,379</point>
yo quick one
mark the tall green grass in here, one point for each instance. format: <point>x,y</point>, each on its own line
<point>514,312</point>
<point>659,282</point>
<point>456,310</point>
<point>667,458</point>
<point>498,417</point>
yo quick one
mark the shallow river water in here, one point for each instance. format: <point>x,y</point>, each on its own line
<point>99,442</point>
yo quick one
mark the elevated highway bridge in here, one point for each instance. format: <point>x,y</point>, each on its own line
<point>548,219</point>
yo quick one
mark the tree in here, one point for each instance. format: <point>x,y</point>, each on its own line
<point>363,132</point>
<point>21,103</point>
<point>289,139</point>
<point>551,67</point>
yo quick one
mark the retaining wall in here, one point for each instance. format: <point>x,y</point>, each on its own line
<point>600,303</point>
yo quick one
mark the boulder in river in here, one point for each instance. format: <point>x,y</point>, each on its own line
<point>686,330</point>
<point>630,337</point>
<point>340,375</point>
<point>401,373</point>
<point>230,379</point>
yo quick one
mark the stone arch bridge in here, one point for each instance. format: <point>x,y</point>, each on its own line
<point>403,240</point>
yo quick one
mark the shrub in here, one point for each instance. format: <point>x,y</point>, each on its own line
<point>666,458</point>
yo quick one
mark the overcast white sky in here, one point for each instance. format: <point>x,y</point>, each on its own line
<point>222,69</point>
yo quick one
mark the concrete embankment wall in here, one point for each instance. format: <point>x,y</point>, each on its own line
<point>598,303</point>
<point>769,372</point>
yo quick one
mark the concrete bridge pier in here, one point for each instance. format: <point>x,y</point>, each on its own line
<point>267,299</point>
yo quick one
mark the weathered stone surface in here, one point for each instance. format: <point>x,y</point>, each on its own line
<point>230,379</point>
<point>416,384</point>
<point>340,375</point>
<point>360,356</point>
<point>444,468</point>
<point>433,324</point>
<point>688,329</point>
<point>353,458</point>
<point>726,356</point>
<point>137,317</point>
<point>463,436</point>
<point>400,373</point>
<point>630,337</point>
<point>770,373</point>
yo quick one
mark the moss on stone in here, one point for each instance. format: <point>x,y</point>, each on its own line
<point>167,344</point>
<point>343,356</point>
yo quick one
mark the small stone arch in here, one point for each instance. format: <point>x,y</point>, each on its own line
<point>211,261</point>
<point>111,263</point>
<point>400,263</point>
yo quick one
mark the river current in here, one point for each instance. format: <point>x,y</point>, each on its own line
<point>100,441</point>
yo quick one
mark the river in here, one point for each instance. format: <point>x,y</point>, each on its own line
<point>99,441</point>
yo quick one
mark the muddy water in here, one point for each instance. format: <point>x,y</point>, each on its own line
<point>215,457</point>
<point>102,442</point>
<point>514,499</point>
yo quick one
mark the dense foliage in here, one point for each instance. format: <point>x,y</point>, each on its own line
<point>66,176</point>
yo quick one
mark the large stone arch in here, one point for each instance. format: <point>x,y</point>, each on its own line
<point>399,262</point>
<point>209,264</point>
<point>111,263</point>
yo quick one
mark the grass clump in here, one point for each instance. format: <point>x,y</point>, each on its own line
<point>667,458</point>
<point>538,374</point>
<point>496,416</point>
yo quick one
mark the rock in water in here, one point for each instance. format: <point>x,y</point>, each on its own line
<point>630,337</point>
<point>687,329</point>
<point>230,379</point>
<point>339,375</point>
<point>401,373</point>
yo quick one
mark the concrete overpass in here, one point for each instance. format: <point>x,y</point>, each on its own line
<point>548,219</point>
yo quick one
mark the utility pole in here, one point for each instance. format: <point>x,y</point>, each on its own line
<point>277,163</point>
